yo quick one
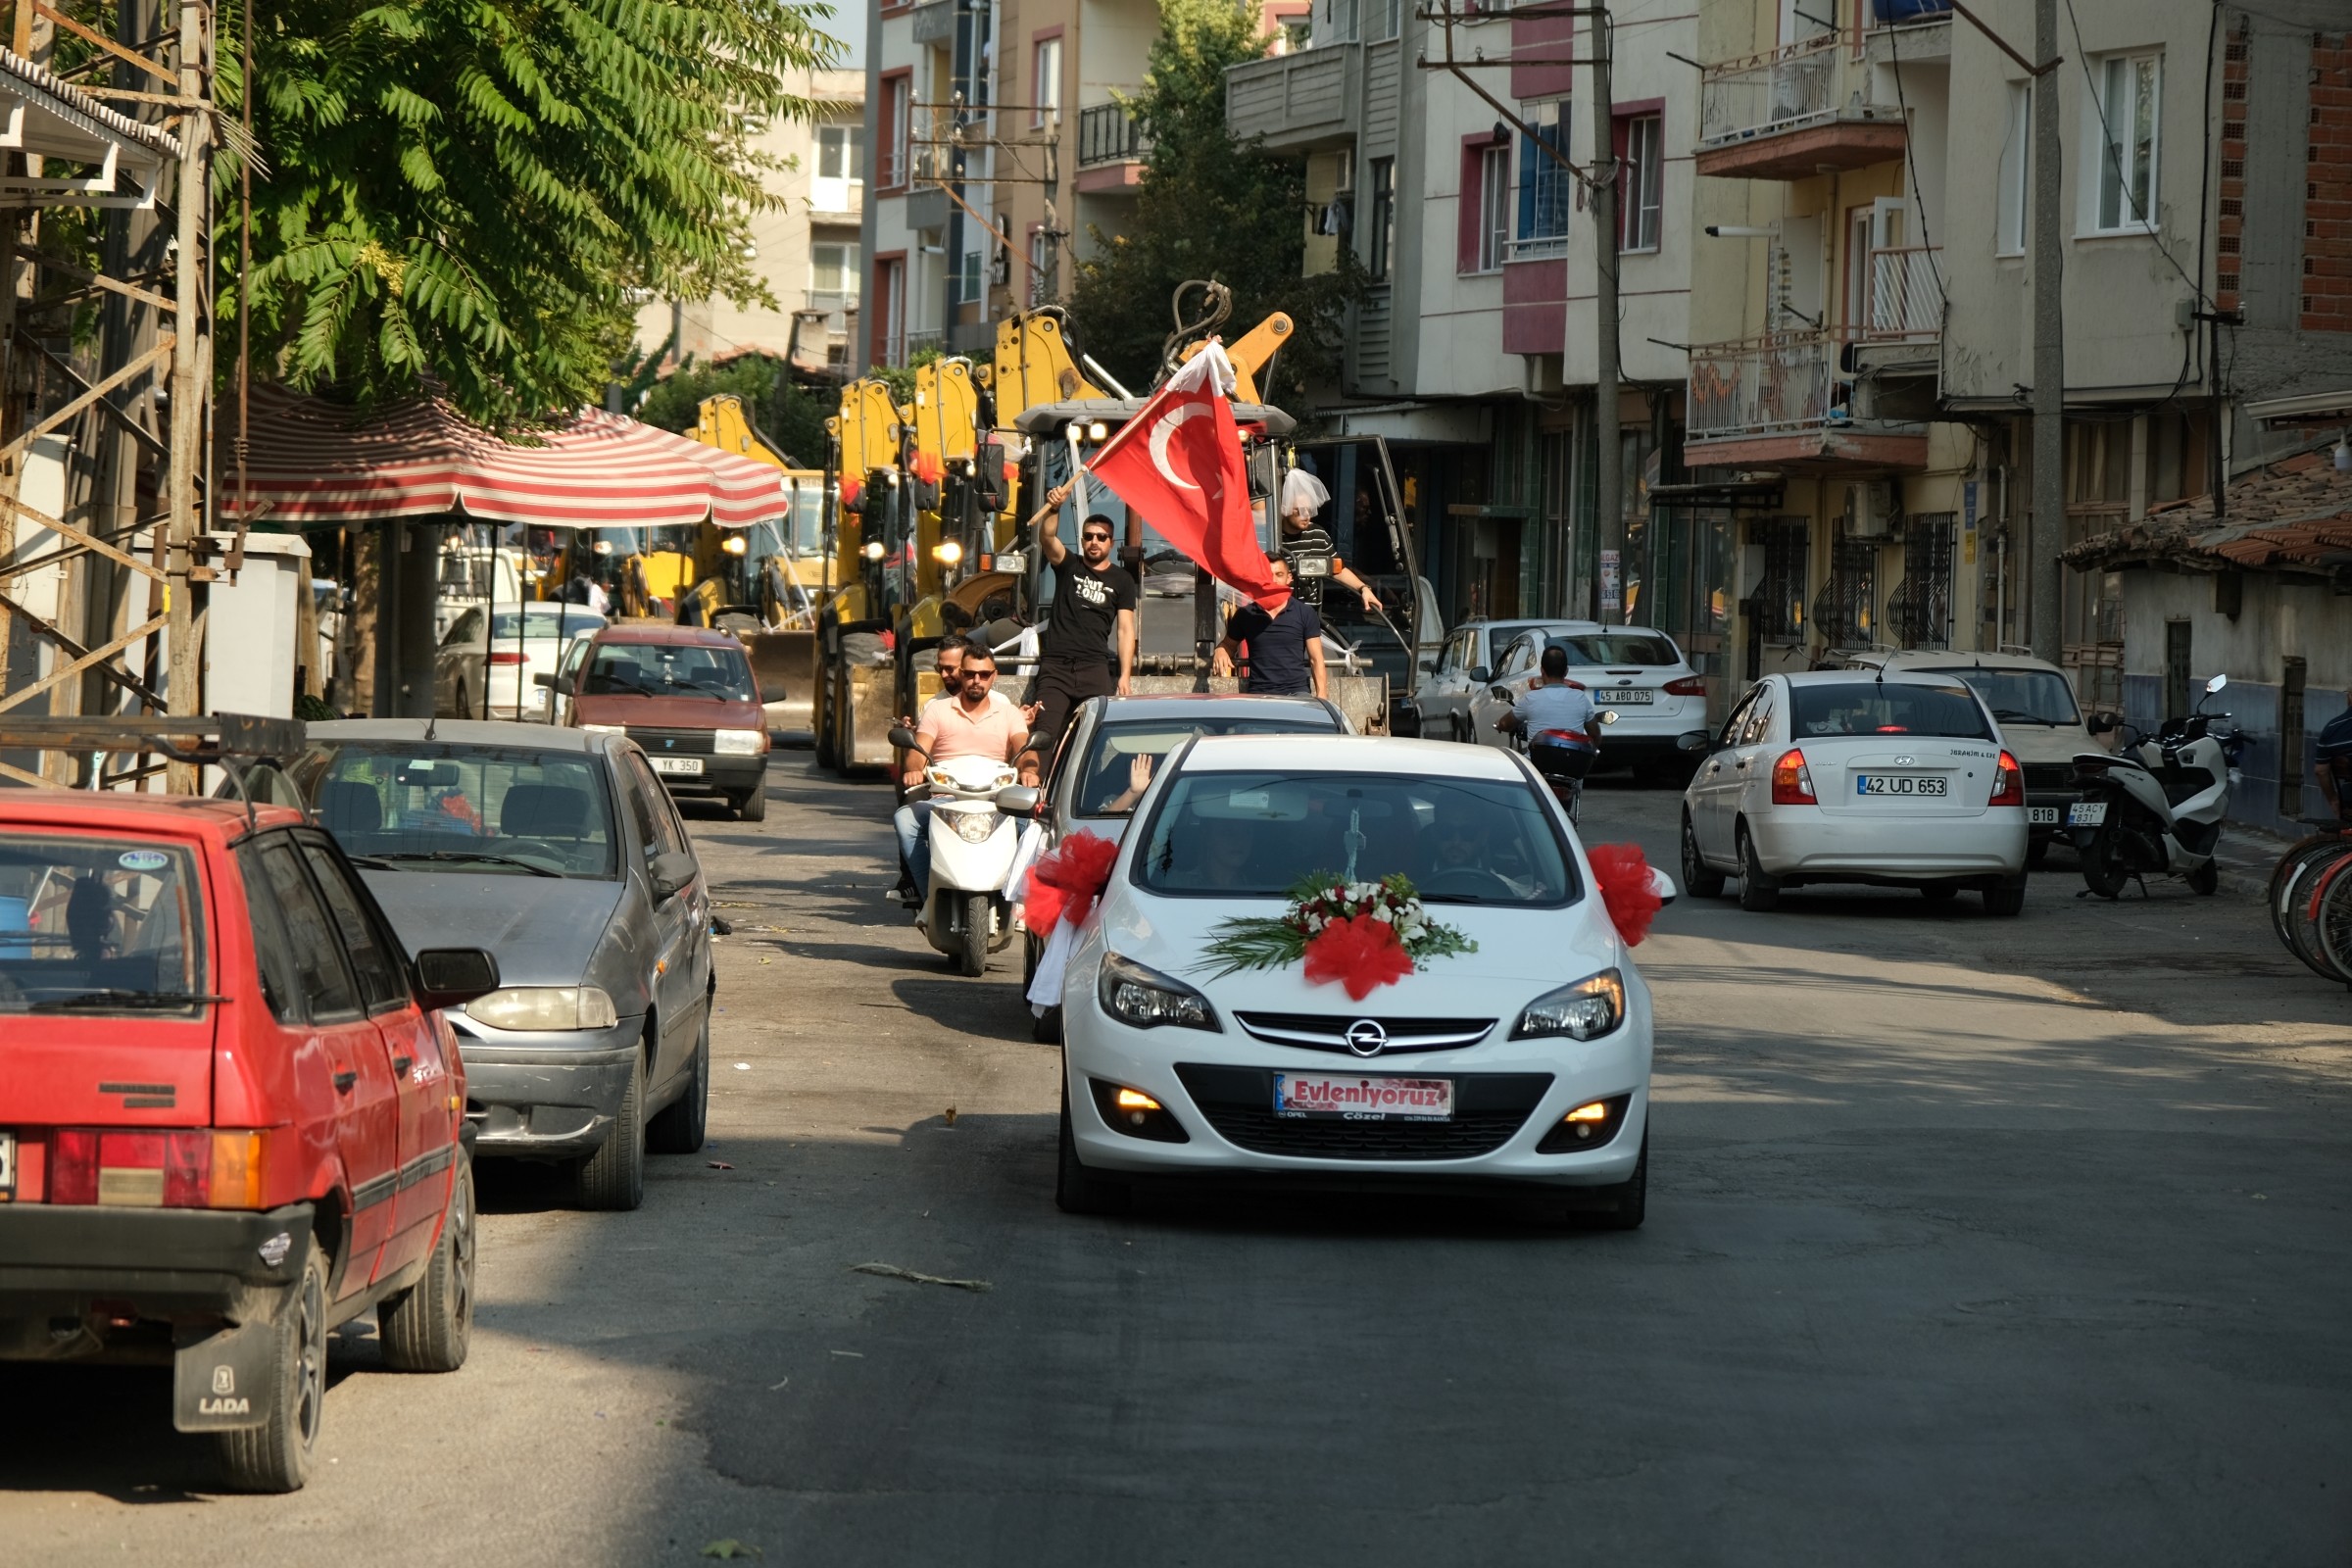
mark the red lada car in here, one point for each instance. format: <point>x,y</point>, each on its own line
<point>231,1116</point>
<point>685,694</point>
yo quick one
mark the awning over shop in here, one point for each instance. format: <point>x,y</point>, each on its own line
<point>318,465</point>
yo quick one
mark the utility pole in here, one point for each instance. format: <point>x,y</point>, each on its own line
<point>1608,502</point>
<point>2045,626</point>
<point>191,369</point>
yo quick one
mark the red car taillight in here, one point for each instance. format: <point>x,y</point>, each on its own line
<point>1793,781</point>
<point>2008,782</point>
<point>509,656</point>
<point>198,1168</point>
<point>1688,686</point>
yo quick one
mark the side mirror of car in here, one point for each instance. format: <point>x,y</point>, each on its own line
<point>1018,800</point>
<point>450,977</point>
<point>2101,723</point>
<point>545,681</point>
<point>1662,885</point>
<point>671,871</point>
<point>1695,742</point>
<point>772,691</point>
<point>1480,675</point>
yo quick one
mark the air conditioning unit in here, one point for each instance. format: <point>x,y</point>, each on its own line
<point>1869,509</point>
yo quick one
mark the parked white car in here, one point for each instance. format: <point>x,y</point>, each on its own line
<point>1841,776</point>
<point>1637,672</point>
<point>1525,1063</point>
<point>484,666</point>
<point>1472,650</point>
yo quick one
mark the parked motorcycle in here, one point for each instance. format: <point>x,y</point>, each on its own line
<point>2156,806</point>
<point>977,810</point>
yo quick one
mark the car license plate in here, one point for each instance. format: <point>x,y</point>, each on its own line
<point>1356,1098</point>
<point>8,1166</point>
<point>1627,696</point>
<point>2042,815</point>
<point>1901,784</point>
<point>2087,814</point>
<point>687,767</point>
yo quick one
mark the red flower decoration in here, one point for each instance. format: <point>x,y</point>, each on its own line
<point>1065,881</point>
<point>926,466</point>
<point>1361,953</point>
<point>1626,888</point>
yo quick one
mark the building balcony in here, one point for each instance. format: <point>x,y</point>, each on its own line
<point>934,22</point>
<point>1111,150</point>
<point>1791,113</point>
<point>1297,103</point>
<point>1906,295</point>
<point>1782,401</point>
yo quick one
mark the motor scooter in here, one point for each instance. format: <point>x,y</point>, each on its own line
<point>2157,805</point>
<point>1566,758</point>
<point>977,811</point>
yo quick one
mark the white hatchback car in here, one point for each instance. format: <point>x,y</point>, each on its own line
<point>1525,1063</point>
<point>1635,671</point>
<point>1841,776</point>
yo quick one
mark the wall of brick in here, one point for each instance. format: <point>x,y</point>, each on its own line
<point>2231,220</point>
<point>2327,287</point>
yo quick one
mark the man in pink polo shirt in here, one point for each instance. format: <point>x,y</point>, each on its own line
<point>969,726</point>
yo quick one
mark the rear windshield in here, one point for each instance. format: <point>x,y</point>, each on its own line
<point>1870,707</point>
<point>544,622</point>
<point>1617,648</point>
<point>1120,757</point>
<point>99,925</point>
<point>1258,835</point>
<point>2024,695</point>
<point>439,807</point>
<point>658,669</point>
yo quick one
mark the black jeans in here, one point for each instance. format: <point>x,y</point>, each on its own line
<point>1060,688</point>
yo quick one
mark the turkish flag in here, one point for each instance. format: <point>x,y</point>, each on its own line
<point>1177,463</point>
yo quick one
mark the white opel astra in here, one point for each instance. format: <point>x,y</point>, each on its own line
<point>1524,1065</point>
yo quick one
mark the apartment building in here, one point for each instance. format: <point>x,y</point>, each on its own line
<point>806,248</point>
<point>993,121</point>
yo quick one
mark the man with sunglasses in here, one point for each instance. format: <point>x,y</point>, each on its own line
<point>1094,601</point>
<point>969,725</point>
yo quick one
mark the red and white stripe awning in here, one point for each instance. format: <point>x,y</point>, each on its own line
<point>320,466</point>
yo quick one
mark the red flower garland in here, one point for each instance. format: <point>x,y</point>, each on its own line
<point>1361,953</point>
<point>1066,882</point>
<point>1626,887</point>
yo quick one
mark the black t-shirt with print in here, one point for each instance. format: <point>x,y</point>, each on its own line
<point>1086,606</point>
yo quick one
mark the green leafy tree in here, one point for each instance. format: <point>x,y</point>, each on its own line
<point>1209,207</point>
<point>788,416</point>
<point>475,193</point>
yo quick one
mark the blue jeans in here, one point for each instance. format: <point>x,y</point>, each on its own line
<point>914,824</point>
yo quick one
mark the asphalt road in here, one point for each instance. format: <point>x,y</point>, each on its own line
<point>1970,1240</point>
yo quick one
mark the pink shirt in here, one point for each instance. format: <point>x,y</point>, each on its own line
<point>950,729</point>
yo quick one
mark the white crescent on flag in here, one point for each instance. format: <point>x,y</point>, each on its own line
<point>1165,427</point>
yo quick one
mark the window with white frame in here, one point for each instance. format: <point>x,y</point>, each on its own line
<point>1046,81</point>
<point>832,276</point>
<point>1388,18</point>
<point>840,168</point>
<point>1544,187</point>
<point>2123,136</point>
<point>2015,197</point>
<point>1493,207</point>
<point>1641,183</point>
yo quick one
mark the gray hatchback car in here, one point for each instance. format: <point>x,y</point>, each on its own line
<point>559,850</point>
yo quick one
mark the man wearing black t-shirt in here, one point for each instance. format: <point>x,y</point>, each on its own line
<point>1092,600</point>
<point>1285,650</point>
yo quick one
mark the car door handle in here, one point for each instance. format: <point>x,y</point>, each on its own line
<point>401,1066</point>
<point>344,1080</point>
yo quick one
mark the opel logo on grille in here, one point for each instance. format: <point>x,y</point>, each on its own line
<point>1366,1037</point>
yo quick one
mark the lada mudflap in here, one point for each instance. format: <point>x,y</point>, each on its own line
<point>228,1379</point>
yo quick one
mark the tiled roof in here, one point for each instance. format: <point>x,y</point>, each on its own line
<point>70,104</point>
<point>2291,515</point>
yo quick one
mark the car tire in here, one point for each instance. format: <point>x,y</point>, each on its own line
<point>2206,880</point>
<point>276,1455</point>
<point>1077,1190</point>
<point>753,808</point>
<point>1699,880</point>
<point>2007,899</point>
<point>614,1177</point>
<point>1939,891</point>
<point>680,1128</point>
<point>1758,894</point>
<point>1620,1206</point>
<point>428,1327</point>
<point>972,959</point>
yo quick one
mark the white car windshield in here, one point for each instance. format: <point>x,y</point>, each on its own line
<point>1261,835</point>
<point>2024,695</point>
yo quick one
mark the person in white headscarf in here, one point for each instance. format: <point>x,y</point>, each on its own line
<point>1313,557</point>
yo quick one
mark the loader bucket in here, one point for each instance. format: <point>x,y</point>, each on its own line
<point>785,659</point>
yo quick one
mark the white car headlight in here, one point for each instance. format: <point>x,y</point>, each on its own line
<point>739,741</point>
<point>545,1007</point>
<point>1584,1010</point>
<point>973,827</point>
<point>1146,999</point>
<point>604,729</point>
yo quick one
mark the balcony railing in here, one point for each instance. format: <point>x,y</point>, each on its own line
<point>1906,294</point>
<point>1108,134</point>
<point>1777,382</point>
<point>1771,92</point>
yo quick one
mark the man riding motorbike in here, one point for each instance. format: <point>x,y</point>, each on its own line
<point>969,726</point>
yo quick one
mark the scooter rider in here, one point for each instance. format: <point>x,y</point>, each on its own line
<point>950,662</point>
<point>969,726</point>
<point>1553,703</point>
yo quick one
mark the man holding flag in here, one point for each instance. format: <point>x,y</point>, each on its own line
<point>1093,601</point>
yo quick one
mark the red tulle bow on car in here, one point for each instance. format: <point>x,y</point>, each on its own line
<point>1361,953</point>
<point>851,490</point>
<point>926,466</point>
<point>1066,880</point>
<point>1626,888</point>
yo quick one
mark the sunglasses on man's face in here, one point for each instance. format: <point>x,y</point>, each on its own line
<point>1095,538</point>
<point>979,674</point>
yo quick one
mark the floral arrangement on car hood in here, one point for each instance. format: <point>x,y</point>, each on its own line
<point>1364,935</point>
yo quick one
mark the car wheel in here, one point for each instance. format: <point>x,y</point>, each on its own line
<point>1758,893</point>
<point>1045,1027</point>
<point>426,1327</point>
<point>1939,893</point>
<point>614,1177</point>
<point>1699,880</point>
<point>2206,879</point>
<point>972,957</point>
<point>2008,899</point>
<point>1621,1207</point>
<point>680,1129</point>
<point>275,1456</point>
<point>1077,1190</point>
<point>753,808</point>
<point>464,703</point>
